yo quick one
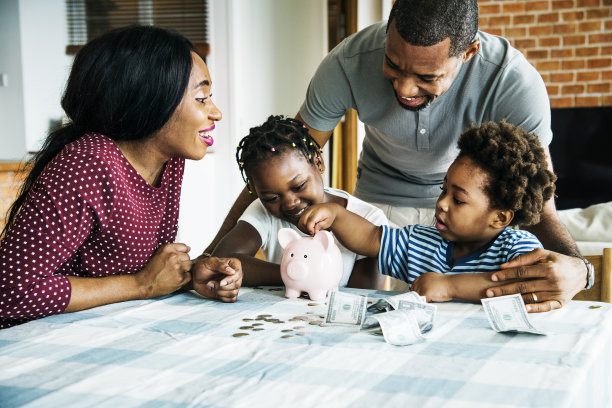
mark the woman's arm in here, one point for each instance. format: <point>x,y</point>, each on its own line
<point>243,242</point>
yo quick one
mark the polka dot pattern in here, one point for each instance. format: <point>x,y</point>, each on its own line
<point>88,214</point>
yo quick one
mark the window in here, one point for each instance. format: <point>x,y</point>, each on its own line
<point>88,19</point>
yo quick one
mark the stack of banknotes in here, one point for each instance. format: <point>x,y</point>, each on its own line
<point>401,319</point>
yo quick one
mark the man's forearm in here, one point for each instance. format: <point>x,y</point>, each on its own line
<point>553,235</point>
<point>241,203</point>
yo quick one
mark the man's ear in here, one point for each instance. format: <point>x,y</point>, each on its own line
<point>502,218</point>
<point>471,50</point>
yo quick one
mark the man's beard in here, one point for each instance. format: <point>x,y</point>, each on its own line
<point>428,101</point>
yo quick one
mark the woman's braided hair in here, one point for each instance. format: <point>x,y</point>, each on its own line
<point>517,166</point>
<point>275,136</point>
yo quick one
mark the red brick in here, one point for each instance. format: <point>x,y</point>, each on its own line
<point>572,89</point>
<point>518,7</point>
<point>564,28</point>
<point>573,64</point>
<point>607,2</point>
<point>586,26</point>
<point>574,40</point>
<point>483,22</point>
<point>589,3</point>
<point>567,102</point>
<point>600,38</point>
<point>588,101</point>
<point>606,50</point>
<point>572,15</point>
<point>523,19</point>
<point>545,77</point>
<point>489,9</point>
<point>499,21</point>
<point>552,89</point>
<point>599,63</point>
<point>608,24</point>
<point>587,51</point>
<point>561,4</point>
<point>598,13</point>
<point>549,42</point>
<point>538,31</point>
<point>537,5</point>
<point>606,75</point>
<point>562,53</point>
<point>587,76</point>
<point>494,31</point>
<point>514,32</point>
<point>602,87</point>
<point>547,65</point>
<point>548,18</point>
<point>537,54</point>
<point>562,77</point>
<point>607,100</point>
<point>524,43</point>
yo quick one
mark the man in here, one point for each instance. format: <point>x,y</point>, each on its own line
<point>417,82</point>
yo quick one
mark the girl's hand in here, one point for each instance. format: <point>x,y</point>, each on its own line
<point>318,217</point>
<point>436,287</point>
<point>217,278</point>
<point>166,271</point>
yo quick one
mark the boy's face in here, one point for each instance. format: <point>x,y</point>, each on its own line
<point>287,184</point>
<point>463,214</point>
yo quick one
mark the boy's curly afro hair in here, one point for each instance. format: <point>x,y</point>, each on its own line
<point>519,178</point>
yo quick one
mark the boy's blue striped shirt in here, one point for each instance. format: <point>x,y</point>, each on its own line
<point>406,253</point>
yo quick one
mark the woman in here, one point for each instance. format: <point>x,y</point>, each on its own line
<point>96,218</point>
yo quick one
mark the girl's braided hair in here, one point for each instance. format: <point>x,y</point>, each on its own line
<point>517,165</point>
<point>275,136</point>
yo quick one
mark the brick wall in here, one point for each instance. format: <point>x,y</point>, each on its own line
<point>568,41</point>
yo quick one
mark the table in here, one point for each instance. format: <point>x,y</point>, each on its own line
<point>180,351</point>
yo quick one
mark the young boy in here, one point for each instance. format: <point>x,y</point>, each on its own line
<point>500,177</point>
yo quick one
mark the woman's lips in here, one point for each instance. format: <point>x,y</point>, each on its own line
<point>206,135</point>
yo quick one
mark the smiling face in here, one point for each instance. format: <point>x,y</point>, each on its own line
<point>287,184</point>
<point>188,133</point>
<point>419,75</point>
<point>463,212</point>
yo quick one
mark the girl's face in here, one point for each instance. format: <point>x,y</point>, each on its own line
<point>463,214</point>
<point>188,133</point>
<point>287,184</point>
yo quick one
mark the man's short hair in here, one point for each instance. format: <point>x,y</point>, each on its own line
<point>427,22</point>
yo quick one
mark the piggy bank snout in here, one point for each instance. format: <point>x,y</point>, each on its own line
<point>297,270</point>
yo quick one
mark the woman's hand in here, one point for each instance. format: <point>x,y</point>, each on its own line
<point>166,271</point>
<point>553,277</point>
<point>217,278</point>
<point>436,287</point>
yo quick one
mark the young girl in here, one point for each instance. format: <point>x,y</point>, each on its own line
<point>500,176</point>
<point>282,164</point>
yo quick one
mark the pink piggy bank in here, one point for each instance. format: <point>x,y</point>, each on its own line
<point>309,264</point>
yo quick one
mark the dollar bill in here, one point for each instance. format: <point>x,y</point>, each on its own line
<point>346,308</point>
<point>508,313</point>
<point>392,302</point>
<point>399,327</point>
<point>424,313</point>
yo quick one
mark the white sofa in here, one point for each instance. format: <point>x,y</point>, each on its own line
<point>590,227</point>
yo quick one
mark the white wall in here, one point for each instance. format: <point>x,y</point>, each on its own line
<point>12,125</point>
<point>263,54</point>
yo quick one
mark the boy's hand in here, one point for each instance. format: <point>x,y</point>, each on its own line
<point>436,287</point>
<point>318,217</point>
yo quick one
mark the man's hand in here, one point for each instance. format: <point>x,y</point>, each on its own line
<point>217,278</point>
<point>553,278</point>
<point>434,286</point>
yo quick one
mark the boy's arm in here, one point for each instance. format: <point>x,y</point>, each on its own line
<point>353,231</point>
<point>438,287</point>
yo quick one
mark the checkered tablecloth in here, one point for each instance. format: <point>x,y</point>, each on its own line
<point>181,350</point>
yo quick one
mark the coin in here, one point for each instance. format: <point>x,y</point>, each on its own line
<point>298,327</point>
<point>287,330</point>
<point>286,336</point>
<point>313,304</point>
<point>315,322</point>
<point>264,315</point>
<point>257,324</point>
<point>247,320</point>
<point>245,327</point>
<point>595,307</point>
<point>240,334</point>
<point>258,329</point>
<point>301,333</point>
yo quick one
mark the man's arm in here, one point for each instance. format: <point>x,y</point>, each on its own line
<point>320,136</point>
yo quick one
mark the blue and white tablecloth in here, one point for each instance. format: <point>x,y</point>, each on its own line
<point>181,351</point>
